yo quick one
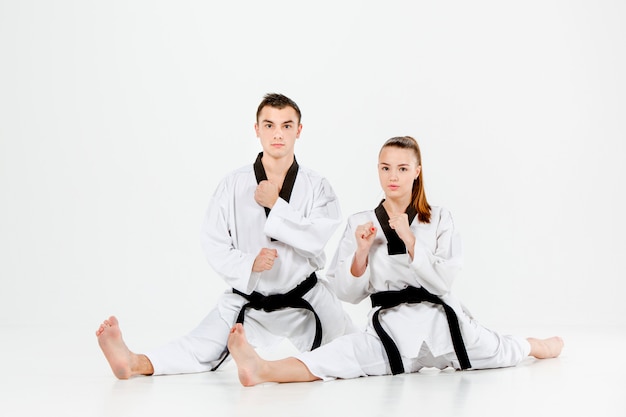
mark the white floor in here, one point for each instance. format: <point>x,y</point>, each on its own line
<point>52,371</point>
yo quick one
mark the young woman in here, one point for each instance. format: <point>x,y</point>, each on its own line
<point>404,255</point>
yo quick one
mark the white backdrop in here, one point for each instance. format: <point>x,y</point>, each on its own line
<point>118,119</point>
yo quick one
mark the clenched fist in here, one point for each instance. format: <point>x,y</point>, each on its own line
<point>264,261</point>
<point>266,194</point>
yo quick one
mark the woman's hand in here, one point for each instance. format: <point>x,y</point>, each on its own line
<point>400,223</point>
<point>364,235</point>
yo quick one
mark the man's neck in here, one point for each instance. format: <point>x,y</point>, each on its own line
<point>277,167</point>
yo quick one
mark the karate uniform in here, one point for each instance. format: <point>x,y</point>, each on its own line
<point>235,229</point>
<point>420,331</point>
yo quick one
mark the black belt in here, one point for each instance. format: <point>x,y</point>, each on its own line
<point>388,299</point>
<point>291,299</point>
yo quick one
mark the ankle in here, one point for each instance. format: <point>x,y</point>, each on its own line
<point>140,364</point>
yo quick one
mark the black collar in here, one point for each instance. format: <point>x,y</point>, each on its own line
<point>395,245</point>
<point>288,182</point>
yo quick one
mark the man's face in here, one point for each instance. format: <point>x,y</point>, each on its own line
<point>278,130</point>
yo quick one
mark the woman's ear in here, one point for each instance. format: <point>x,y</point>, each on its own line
<point>419,169</point>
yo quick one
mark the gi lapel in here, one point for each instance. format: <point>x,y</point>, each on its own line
<point>288,182</point>
<point>395,245</point>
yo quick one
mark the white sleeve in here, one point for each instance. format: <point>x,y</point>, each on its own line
<point>346,286</point>
<point>232,264</point>
<point>306,235</point>
<point>436,270</point>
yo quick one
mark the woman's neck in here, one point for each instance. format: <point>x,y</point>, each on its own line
<point>396,205</point>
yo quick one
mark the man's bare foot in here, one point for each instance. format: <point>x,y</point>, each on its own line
<point>546,348</point>
<point>249,363</point>
<point>123,362</point>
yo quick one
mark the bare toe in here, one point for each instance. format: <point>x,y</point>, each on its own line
<point>248,361</point>
<point>115,350</point>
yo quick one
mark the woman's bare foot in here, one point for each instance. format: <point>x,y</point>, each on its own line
<point>249,363</point>
<point>545,348</point>
<point>123,362</point>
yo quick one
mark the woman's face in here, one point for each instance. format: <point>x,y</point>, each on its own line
<point>397,169</point>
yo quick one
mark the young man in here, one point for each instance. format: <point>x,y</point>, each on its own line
<point>264,233</point>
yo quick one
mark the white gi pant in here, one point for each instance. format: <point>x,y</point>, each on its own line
<point>363,354</point>
<point>203,348</point>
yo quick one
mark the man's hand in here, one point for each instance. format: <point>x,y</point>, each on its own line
<point>266,194</point>
<point>264,261</point>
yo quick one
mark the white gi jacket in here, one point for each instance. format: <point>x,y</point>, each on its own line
<point>236,228</point>
<point>437,260</point>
